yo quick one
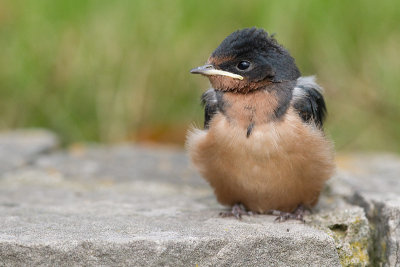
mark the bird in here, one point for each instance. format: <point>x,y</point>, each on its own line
<point>263,148</point>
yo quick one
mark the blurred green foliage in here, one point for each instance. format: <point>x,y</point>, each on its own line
<point>119,70</point>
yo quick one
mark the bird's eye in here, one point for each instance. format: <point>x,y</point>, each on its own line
<point>243,65</point>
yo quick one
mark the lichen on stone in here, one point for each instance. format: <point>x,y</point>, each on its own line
<point>350,230</point>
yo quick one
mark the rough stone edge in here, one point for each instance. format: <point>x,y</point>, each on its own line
<point>350,230</point>
<point>208,252</point>
<point>384,249</point>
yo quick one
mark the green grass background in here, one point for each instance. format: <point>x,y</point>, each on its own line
<point>109,71</point>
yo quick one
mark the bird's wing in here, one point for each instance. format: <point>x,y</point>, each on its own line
<point>309,101</point>
<point>210,101</point>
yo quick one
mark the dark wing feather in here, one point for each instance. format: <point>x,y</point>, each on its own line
<point>309,101</point>
<point>210,102</point>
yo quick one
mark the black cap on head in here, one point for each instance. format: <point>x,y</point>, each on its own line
<point>271,60</point>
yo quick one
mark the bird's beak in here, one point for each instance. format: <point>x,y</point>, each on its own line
<point>209,70</point>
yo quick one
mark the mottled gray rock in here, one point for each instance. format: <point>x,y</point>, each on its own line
<point>122,163</point>
<point>374,182</point>
<point>134,206</point>
<point>21,146</point>
<point>384,217</point>
<point>129,205</point>
<point>350,229</point>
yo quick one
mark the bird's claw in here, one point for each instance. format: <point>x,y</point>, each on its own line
<point>237,211</point>
<point>297,214</point>
<point>284,216</point>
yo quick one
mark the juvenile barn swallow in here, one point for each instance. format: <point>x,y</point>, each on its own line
<point>263,148</point>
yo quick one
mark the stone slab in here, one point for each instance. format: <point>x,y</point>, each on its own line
<point>138,206</point>
<point>129,205</point>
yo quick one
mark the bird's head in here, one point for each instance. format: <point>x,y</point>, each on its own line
<point>247,60</point>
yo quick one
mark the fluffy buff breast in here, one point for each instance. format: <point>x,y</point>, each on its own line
<point>280,165</point>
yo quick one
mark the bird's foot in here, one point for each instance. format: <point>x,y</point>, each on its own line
<point>297,214</point>
<point>237,211</point>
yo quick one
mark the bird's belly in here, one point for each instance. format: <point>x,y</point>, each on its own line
<point>279,166</point>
